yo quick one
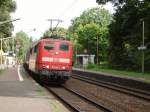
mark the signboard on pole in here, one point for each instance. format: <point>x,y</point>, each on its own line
<point>142,48</point>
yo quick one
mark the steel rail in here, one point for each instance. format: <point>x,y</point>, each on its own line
<point>89,100</point>
<point>94,103</point>
<point>70,105</point>
<point>130,91</point>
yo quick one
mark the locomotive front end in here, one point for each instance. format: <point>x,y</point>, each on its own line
<point>55,59</point>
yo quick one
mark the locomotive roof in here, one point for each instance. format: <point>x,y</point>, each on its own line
<point>54,40</point>
<point>46,40</point>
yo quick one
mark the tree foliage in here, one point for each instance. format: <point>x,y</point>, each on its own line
<point>92,24</point>
<point>59,31</point>
<point>6,7</point>
<point>126,33</point>
<point>47,33</point>
<point>22,43</point>
<point>98,16</point>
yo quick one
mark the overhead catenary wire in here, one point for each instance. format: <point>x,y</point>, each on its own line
<point>70,6</point>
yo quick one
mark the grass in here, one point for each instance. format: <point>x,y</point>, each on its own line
<point>145,77</point>
<point>40,91</point>
<point>1,71</point>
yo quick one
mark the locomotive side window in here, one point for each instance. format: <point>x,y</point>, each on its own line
<point>30,51</point>
<point>49,46</point>
<point>35,49</point>
<point>64,47</point>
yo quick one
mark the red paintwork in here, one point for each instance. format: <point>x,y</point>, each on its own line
<point>55,65</point>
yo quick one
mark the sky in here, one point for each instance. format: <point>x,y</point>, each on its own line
<point>34,14</point>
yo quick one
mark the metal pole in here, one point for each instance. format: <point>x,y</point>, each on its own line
<point>51,23</point>
<point>143,46</point>
<point>1,52</point>
<point>76,54</point>
<point>88,51</point>
<point>51,26</point>
<point>97,50</point>
<point>7,21</point>
<point>13,47</point>
<point>1,40</point>
<point>1,23</point>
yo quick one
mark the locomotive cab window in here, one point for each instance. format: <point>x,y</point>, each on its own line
<point>64,47</point>
<point>36,49</point>
<point>49,46</point>
<point>30,51</point>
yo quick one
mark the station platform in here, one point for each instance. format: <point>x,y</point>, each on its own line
<point>142,79</point>
<point>20,93</point>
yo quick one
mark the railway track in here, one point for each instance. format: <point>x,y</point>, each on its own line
<point>123,89</point>
<point>76,101</point>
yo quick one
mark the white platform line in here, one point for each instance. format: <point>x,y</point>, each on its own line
<point>19,75</point>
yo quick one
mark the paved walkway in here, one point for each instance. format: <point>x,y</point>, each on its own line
<point>25,95</point>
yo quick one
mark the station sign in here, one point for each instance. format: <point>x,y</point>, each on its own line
<point>142,48</point>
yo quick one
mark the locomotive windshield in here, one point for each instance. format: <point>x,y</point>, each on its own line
<point>64,47</point>
<point>49,46</point>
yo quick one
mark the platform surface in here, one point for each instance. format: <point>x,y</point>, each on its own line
<point>20,93</point>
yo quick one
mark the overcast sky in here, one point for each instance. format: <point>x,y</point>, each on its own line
<point>35,13</point>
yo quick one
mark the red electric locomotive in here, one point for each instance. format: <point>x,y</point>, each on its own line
<point>51,60</point>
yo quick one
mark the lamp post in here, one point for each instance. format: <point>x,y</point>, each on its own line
<point>143,46</point>
<point>1,52</point>
<point>30,38</point>
<point>97,50</point>
<point>1,40</point>
<point>29,30</point>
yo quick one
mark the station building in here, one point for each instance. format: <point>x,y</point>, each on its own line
<point>85,59</point>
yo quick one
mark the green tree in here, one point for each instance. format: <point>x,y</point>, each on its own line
<point>22,44</point>
<point>6,7</point>
<point>47,33</point>
<point>87,36</point>
<point>58,32</point>
<point>96,15</point>
<point>126,33</point>
<point>92,24</point>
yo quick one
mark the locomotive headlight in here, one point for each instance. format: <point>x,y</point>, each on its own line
<point>63,67</point>
<point>56,53</point>
<point>47,66</point>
